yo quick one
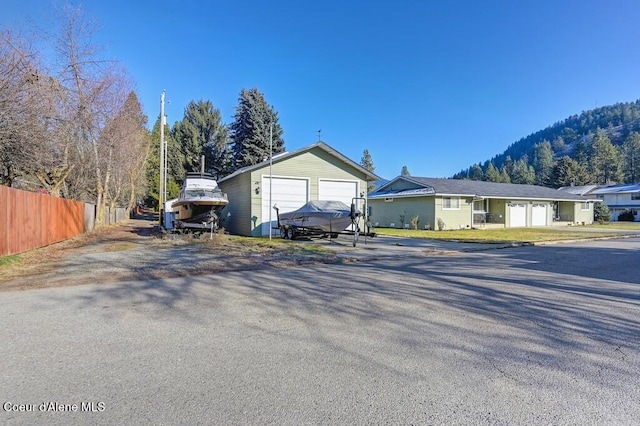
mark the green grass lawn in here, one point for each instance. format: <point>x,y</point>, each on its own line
<point>501,235</point>
<point>632,226</point>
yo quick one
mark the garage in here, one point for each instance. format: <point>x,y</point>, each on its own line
<point>287,193</point>
<point>517,215</point>
<point>337,190</point>
<point>315,172</point>
<point>539,214</point>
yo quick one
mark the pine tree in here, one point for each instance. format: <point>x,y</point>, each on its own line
<point>543,162</point>
<point>405,171</point>
<point>567,172</point>
<point>492,174</point>
<point>255,127</point>
<point>605,161</point>
<point>523,173</point>
<point>201,132</point>
<point>476,172</point>
<point>631,158</point>
<point>367,163</point>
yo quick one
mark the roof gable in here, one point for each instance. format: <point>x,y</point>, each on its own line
<point>318,145</point>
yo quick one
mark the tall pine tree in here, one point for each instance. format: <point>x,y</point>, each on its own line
<point>605,161</point>
<point>631,158</point>
<point>255,125</point>
<point>201,132</point>
<point>367,162</point>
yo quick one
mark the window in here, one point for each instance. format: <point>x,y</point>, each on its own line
<point>635,196</point>
<point>586,207</point>
<point>478,206</point>
<point>451,203</point>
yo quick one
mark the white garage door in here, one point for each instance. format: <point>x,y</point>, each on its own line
<point>288,193</point>
<point>337,190</point>
<point>539,215</point>
<point>517,215</point>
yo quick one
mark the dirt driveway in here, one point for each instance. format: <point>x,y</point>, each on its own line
<point>135,250</point>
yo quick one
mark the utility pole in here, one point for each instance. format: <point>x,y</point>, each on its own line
<point>161,189</point>
<point>270,177</point>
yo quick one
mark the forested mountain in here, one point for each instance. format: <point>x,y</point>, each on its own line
<point>599,146</point>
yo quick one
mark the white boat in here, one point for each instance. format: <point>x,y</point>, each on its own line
<point>200,202</point>
<point>317,217</point>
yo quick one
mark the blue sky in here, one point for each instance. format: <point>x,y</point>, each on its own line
<point>433,85</point>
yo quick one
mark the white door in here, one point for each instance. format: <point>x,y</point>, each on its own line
<point>539,215</point>
<point>517,215</point>
<point>288,193</point>
<point>337,190</point>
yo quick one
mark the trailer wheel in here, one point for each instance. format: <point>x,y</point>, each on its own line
<point>291,234</point>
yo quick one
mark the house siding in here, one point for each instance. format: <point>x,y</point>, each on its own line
<point>387,214</point>
<point>236,215</point>
<point>454,219</point>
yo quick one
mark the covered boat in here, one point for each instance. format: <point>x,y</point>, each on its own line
<point>199,203</point>
<point>317,217</point>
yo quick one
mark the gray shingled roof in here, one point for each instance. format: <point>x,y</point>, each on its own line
<point>461,187</point>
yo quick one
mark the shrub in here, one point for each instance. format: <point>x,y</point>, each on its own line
<point>626,216</point>
<point>441,224</point>
<point>414,222</point>
<point>601,213</point>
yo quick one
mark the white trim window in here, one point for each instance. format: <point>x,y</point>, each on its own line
<point>585,207</point>
<point>450,203</point>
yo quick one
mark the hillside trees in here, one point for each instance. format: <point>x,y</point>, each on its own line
<point>567,172</point>
<point>254,130</point>
<point>604,161</point>
<point>631,158</point>
<point>575,137</point>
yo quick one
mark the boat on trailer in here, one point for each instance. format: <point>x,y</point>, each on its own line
<point>199,203</point>
<point>319,218</point>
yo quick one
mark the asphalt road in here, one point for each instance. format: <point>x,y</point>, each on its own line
<point>528,335</point>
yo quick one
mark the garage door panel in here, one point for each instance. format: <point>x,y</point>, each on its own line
<point>539,215</point>
<point>517,215</point>
<point>337,190</point>
<point>288,193</point>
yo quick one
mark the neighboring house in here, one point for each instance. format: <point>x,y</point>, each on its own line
<point>316,172</point>
<point>619,198</point>
<point>455,204</point>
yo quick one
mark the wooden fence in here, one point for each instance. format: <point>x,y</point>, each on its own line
<point>29,220</point>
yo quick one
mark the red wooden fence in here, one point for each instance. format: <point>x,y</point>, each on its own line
<point>29,220</point>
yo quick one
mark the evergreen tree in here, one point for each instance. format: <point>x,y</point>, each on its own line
<point>175,166</point>
<point>605,161</point>
<point>255,127</point>
<point>542,162</point>
<point>567,172</point>
<point>504,176</point>
<point>523,173</point>
<point>476,172</point>
<point>367,163</point>
<point>201,132</point>
<point>405,171</point>
<point>492,174</point>
<point>631,158</point>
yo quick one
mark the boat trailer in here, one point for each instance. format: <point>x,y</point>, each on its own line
<point>291,232</point>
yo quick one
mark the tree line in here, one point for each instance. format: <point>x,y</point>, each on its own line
<point>600,147</point>
<point>72,126</point>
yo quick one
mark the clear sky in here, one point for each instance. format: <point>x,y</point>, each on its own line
<point>433,85</point>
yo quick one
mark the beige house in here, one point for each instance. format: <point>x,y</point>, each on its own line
<point>290,180</point>
<point>455,204</point>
